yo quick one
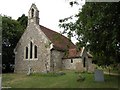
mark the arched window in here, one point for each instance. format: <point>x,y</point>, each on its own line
<point>26,54</point>
<point>35,51</point>
<point>31,52</point>
<point>31,45</point>
<point>32,13</point>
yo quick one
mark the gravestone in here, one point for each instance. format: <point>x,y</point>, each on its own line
<point>29,71</point>
<point>98,75</point>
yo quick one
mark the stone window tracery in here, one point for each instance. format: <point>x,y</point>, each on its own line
<point>31,52</point>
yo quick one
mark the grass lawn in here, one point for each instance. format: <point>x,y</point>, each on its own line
<point>69,80</point>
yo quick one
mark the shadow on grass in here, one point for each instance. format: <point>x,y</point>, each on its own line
<point>51,74</point>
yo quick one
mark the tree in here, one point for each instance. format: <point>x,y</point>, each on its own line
<point>11,33</point>
<point>23,20</point>
<point>97,27</point>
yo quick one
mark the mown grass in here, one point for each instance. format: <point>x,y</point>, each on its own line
<point>69,80</point>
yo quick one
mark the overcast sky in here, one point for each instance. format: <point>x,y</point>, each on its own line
<point>50,11</point>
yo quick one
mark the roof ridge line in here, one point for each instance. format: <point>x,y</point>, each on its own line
<point>56,32</point>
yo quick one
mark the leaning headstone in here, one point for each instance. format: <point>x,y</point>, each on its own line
<point>99,76</point>
<point>29,71</point>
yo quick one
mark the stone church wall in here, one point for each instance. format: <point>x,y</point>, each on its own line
<point>71,63</point>
<point>47,59</point>
<point>40,40</point>
<point>88,62</point>
<point>56,60</point>
<point>78,63</point>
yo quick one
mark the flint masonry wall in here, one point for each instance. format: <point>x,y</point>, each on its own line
<point>56,60</point>
<point>67,64</point>
<point>88,62</point>
<point>77,63</point>
<point>41,41</point>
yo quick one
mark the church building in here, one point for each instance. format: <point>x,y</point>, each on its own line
<point>41,49</point>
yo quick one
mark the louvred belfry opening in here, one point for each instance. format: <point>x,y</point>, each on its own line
<point>33,15</point>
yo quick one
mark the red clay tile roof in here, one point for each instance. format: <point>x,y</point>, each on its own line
<point>73,53</point>
<point>59,41</point>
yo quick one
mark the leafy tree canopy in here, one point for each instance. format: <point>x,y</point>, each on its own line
<point>23,20</point>
<point>11,33</point>
<point>97,28</point>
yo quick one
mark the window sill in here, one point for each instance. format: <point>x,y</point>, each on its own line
<point>34,59</point>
